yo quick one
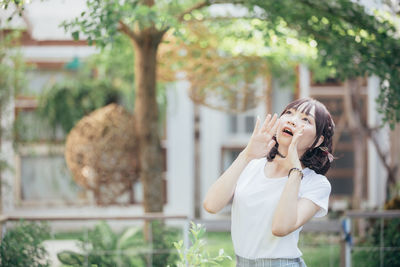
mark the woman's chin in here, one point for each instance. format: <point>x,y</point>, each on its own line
<point>284,140</point>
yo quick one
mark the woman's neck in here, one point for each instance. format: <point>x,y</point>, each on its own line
<point>278,165</point>
<point>275,168</point>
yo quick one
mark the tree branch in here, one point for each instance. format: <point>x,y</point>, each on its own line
<point>207,3</point>
<point>128,31</point>
<point>224,18</point>
<point>191,9</point>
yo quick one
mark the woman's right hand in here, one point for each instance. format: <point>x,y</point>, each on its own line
<point>261,140</point>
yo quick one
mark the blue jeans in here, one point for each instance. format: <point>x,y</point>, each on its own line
<point>263,262</point>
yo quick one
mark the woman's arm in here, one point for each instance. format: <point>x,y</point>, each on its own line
<point>291,212</point>
<point>222,190</point>
<point>259,146</point>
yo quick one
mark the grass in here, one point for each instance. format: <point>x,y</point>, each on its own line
<point>216,241</point>
<point>318,249</point>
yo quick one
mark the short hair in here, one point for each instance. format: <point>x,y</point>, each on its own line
<point>314,158</point>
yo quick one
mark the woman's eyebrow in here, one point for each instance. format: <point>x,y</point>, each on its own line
<point>308,115</point>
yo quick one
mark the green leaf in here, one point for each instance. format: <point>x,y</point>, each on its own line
<point>75,35</point>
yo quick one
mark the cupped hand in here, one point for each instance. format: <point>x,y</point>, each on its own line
<point>261,140</point>
<point>292,159</point>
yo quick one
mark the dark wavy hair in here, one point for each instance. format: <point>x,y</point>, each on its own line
<point>314,158</point>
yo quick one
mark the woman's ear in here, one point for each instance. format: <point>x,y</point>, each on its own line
<point>321,139</point>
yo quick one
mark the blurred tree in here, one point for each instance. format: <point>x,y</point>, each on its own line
<point>12,70</point>
<point>349,38</point>
<point>145,23</point>
<point>367,47</point>
<point>354,42</point>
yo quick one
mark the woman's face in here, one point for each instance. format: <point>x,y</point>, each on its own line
<point>291,121</point>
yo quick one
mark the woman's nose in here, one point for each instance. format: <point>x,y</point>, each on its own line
<point>292,123</point>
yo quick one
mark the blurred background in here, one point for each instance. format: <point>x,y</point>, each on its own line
<point>117,116</point>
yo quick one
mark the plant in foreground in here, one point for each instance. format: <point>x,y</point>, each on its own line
<point>196,255</point>
<point>22,245</point>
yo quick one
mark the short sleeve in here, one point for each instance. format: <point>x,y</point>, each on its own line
<point>317,189</point>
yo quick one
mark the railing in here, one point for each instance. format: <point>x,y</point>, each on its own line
<point>350,238</point>
<point>149,217</point>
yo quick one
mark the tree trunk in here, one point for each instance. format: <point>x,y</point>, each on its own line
<point>146,120</point>
<point>197,161</point>
<point>1,182</point>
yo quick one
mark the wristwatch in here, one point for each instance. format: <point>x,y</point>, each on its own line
<point>298,170</point>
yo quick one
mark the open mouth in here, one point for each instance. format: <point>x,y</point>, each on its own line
<point>287,131</point>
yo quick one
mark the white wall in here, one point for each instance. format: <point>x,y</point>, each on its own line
<point>212,128</point>
<point>304,81</point>
<point>377,173</point>
<point>180,155</point>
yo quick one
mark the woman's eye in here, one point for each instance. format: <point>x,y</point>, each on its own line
<point>288,112</point>
<point>306,119</point>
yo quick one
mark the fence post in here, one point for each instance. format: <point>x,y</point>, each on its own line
<point>150,262</point>
<point>186,229</point>
<point>381,243</point>
<point>346,243</point>
<point>86,238</point>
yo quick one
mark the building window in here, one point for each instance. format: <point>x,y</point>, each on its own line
<point>45,179</point>
<point>241,123</point>
<point>228,156</point>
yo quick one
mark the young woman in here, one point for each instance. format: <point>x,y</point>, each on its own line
<point>277,184</point>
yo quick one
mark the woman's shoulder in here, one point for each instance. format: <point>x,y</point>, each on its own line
<point>311,177</point>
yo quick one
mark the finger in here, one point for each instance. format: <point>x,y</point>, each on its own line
<point>270,145</point>
<point>257,126</point>
<point>272,121</point>
<point>264,126</point>
<point>275,127</point>
<point>297,135</point>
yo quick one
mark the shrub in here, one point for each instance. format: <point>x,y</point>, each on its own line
<point>105,248</point>
<point>196,255</point>
<point>22,245</point>
<point>391,239</point>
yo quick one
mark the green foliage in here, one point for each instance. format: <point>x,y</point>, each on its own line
<point>382,233</point>
<point>19,4</point>
<point>196,254</point>
<point>12,71</point>
<point>98,82</point>
<point>370,255</point>
<point>21,246</point>
<point>103,247</point>
<point>12,67</point>
<point>349,39</point>
<point>163,239</point>
<point>246,37</point>
<point>65,104</point>
<point>102,21</point>
<point>115,63</point>
<point>105,78</point>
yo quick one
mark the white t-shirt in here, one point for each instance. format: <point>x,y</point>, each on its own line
<point>253,207</point>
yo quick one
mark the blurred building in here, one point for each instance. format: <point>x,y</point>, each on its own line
<point>200,143</point>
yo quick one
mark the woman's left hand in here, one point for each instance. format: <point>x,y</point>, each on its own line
<point>292,159</point>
